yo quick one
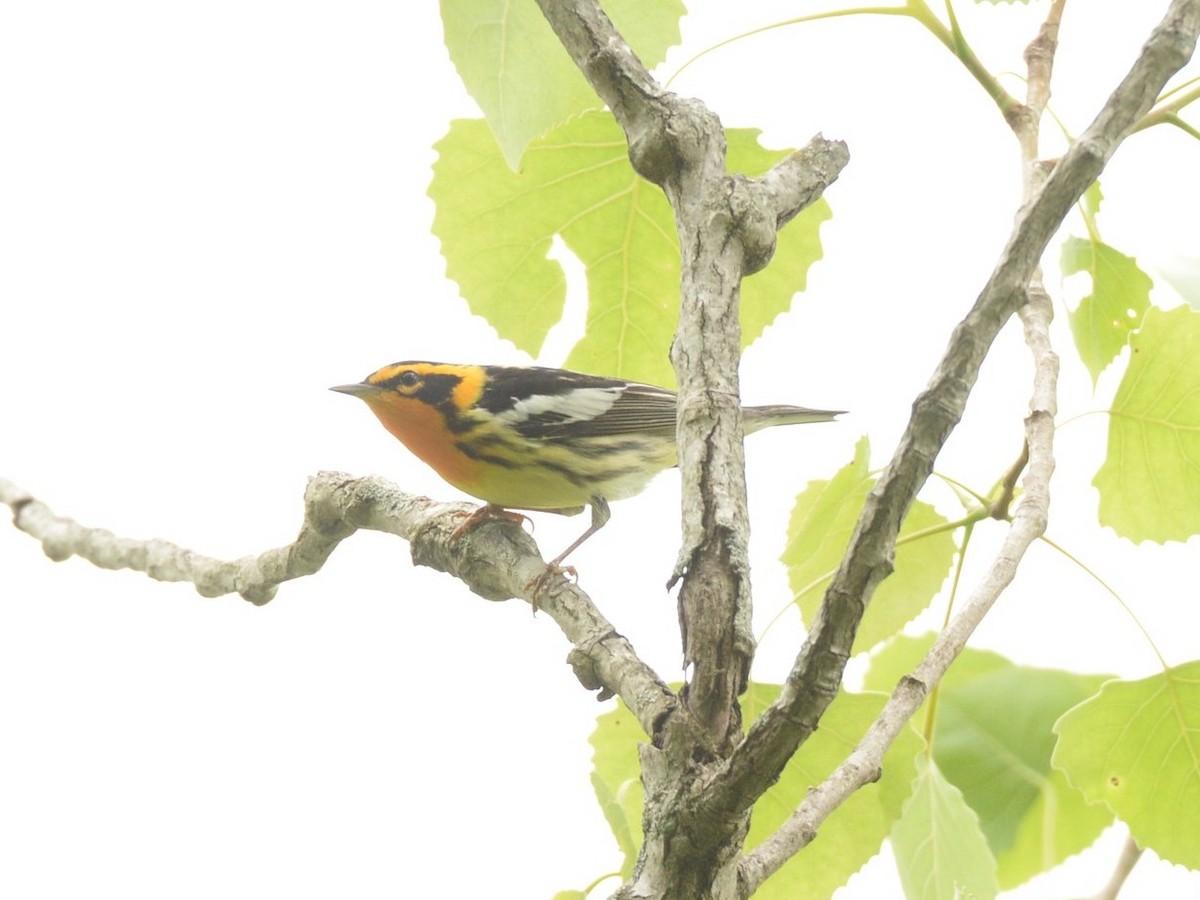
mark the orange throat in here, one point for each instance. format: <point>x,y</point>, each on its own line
<point>422,429</point>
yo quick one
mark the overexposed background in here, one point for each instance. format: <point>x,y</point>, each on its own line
<point>209,213</point>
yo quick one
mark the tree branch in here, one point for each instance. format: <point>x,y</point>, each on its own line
<point>727,228</point>
<point>497,561</point>
<point>816,675</point>
<point>1025,119</point>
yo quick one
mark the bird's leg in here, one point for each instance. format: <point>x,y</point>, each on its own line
<point>600,517</point>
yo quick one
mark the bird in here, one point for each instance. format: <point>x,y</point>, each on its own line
<point>538,439</point>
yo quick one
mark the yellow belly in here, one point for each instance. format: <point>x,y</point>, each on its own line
<point>546,475</point>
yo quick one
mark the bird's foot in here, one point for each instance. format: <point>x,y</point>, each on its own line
<point>538,587</point>
<point>487,513</point>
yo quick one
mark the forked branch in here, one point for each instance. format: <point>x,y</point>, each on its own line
<point>816,675</point>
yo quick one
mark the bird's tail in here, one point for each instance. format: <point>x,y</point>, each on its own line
<point>755,418</point>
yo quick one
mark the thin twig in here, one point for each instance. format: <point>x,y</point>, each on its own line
<point>1039,62</point>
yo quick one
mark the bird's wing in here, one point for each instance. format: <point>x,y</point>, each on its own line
<point>548,404</point>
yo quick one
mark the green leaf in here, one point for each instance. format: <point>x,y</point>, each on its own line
<point>819,532</point>
<point>1136,748</point>
<point>1120,297</point>
<point>1149,482</point>
<point>941,853</point>
<point>993,740</point>
<point>496,227</point>
<point>854,832</point>
<point>518,71</point>
<point>617,779</point>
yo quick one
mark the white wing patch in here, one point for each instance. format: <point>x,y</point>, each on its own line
<point>576,405</point>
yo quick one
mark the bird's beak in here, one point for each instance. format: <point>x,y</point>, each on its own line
<point>362,389</point>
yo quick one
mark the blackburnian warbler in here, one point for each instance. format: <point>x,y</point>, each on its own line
<point>543,440</point>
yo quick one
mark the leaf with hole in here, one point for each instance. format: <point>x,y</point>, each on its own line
<point>1120,296</point>
<point>1135,747</point>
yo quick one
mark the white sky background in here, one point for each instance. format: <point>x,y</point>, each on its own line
<point>209,213</point>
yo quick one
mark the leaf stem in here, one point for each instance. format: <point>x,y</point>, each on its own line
<point>599,881</point>
<point>798,20</point>
<point>1083,415</point>
<point>1112,593</point>
<point>931,704</point>
<point>951,38</point>
<point>1089,222</point>
<point>958,485</point>
<point>955,41</point>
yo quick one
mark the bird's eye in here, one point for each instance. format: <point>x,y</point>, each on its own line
<point>410,379</point>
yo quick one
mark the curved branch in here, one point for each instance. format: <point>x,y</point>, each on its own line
<point>497,561</point>
<point>864,764</point>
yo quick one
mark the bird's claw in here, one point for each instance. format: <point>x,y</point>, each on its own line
<point>539,585</point>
